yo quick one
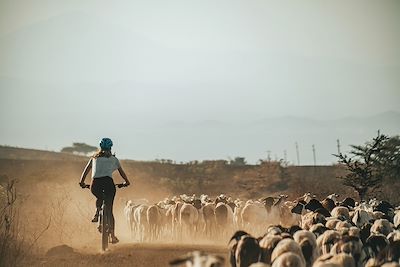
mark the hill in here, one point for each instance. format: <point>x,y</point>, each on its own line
<point>8,152</point>
<point>156,180</point>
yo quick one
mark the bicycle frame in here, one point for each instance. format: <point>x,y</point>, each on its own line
<point>104,225</point>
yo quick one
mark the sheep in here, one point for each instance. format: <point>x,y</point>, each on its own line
<point>233,243</point>
<point>188,217</point>
<point>291,214</point>
<point>381,226</point>
<point>377,263</point>
<point>308,244</point>
<point>236,213</point>
<point>247,251</point>
<point>260,264</point>
<point>328,204</point>
<point>311,218</point>
<point>307,197</point>
<point>267,245</point>
<point>288,259</point>
<point>349,245</point>
<point>385,207</point>
<point>341,211</point>
<point>331,223</point>
<point>154,218</point>
<point>390,253</point>
<point>318,229</point>
<point>343,224</point>
<point>361,217</point>
<point>335,260</point>
<point>208,212</point>
<point>333,197</point>
<point>391,264</point>
<point>140,216</point>
<point>396,220</point>
<point>326,241</point>
<point>224,217</point>
<point>198,259</point>
<point>365,232</point>
<point>298,208</point>
<point>354,231</point>
<point>374,244</point>
<point>348,202</point>
<point>393,236</point>
<point>129,216</point>
<point>287,245</point>
<point>313,205</point>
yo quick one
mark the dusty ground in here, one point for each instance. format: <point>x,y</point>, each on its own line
<point>152,255</point>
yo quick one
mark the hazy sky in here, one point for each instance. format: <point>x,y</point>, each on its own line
<point>78,70</point>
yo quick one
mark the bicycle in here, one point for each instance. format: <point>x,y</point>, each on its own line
<point>104,221</point>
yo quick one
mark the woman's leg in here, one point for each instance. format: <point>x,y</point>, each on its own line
<point>97,190</point>
<point>110,191</point>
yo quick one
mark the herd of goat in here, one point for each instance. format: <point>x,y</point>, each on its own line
<point>274,231</point>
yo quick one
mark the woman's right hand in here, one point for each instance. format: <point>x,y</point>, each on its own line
<point>83,185</point>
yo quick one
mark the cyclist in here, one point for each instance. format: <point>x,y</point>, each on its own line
<point>103,164</point>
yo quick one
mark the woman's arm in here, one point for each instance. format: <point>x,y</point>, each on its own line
<point>123,175</point>
<point>85,172</point>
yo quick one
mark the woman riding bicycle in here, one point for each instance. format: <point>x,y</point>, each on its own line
<point>103,164</point>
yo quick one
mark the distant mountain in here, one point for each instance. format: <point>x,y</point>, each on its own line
<point>389,120</point>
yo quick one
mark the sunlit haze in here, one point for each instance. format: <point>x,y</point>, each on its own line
<point>194,80</point>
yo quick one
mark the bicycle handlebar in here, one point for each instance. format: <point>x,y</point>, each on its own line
<point>116,185</point>
<point>121,185</point>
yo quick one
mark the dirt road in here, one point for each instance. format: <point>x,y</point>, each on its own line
<point>149,255</point>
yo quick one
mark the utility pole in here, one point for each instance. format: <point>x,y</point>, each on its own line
<point>297,153</point>
<point>269,155</point>
<point>285,156</point>
<point>338,146</point>
<point>315,158</point>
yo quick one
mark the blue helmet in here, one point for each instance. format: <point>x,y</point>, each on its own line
<point>106,144</point>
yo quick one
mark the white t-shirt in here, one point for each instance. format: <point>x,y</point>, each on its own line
<point>103,166</point>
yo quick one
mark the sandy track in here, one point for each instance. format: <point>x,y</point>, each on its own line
<point>151,255</point>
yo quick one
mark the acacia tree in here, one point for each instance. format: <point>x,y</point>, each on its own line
<point>238,161</point>
<point>388,160</point>
<point>79,148</point>
<point>365,167</point>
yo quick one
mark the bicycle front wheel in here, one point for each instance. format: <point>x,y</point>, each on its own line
<point>104,230</point>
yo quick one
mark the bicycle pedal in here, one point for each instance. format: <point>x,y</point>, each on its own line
<point>114,240</point>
